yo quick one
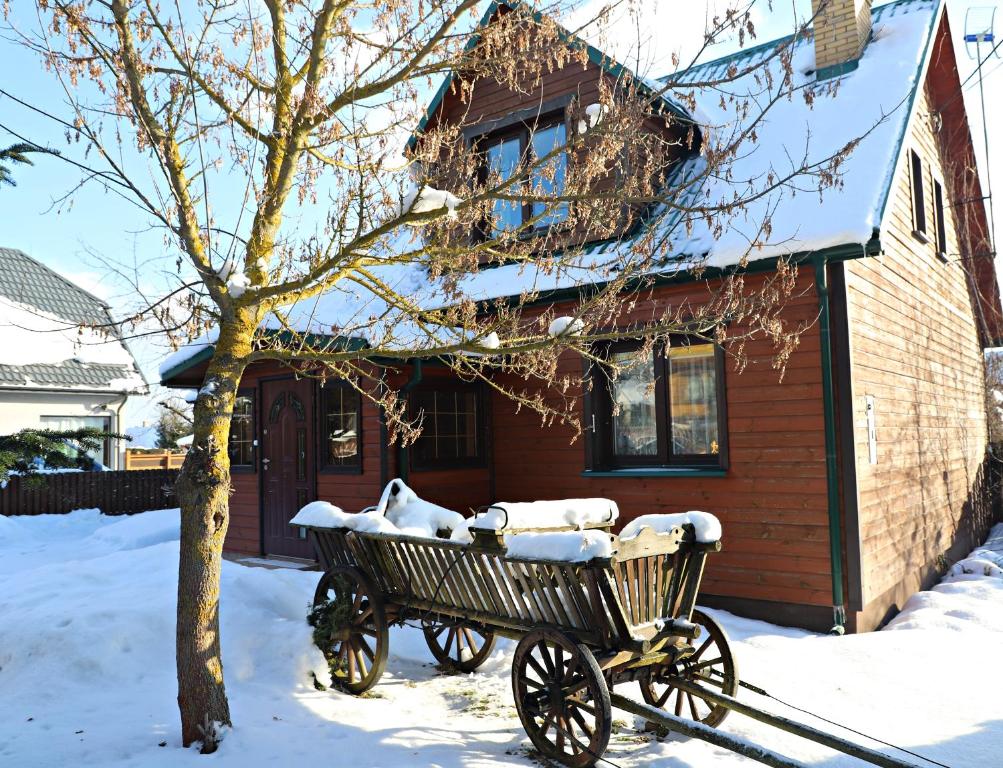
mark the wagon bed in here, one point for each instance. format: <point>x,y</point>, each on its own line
<point>581,627</point>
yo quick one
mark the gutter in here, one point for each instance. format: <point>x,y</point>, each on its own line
<point>402,450</point>
<point>831,465</point>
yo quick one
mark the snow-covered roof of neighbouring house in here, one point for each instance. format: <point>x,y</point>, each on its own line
<point>873,103</point>
<point>144,436</point>
<point>46,344</point>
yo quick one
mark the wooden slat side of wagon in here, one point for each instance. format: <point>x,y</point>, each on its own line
<point>582,627</point>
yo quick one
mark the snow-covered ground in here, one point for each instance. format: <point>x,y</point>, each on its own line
<point>87,675</point>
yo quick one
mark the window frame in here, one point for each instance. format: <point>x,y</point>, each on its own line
<point>940,219</point>
<point>106,444</point>
<point>480,460</point>
<point>522,127</point>
<point>599,413</point>
<point>918,197</point>
<point>355,468</point>
<point>252,467</point>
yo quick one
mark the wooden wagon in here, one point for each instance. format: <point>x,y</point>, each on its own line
<point>582,628</point>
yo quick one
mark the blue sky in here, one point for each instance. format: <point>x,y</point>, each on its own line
<point>82,236</point>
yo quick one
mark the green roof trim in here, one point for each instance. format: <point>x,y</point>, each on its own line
<point>322,343</point>
<point>595,56</point>
<point>836,70</point>
<point>923,65</point>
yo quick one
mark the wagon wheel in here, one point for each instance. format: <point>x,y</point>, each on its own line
<point>562,698</point>
<point>457,644</point>
<point>711,665</point>
<point>350,628</point>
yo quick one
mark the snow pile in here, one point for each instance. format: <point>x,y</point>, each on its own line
<point>565,325</point>
<point>238,284</point>
<point>143,437</point>
<point>414,516</point>
<point>706,526</point>
<point>400,510</point>
<point>34,337</point>
<point>539,514</point>
<point>87,671</point>
<point>321,514</point>
<point>968,599</point>
<point>491,341</point>
<point>567,546</point>
<point>426,200</point>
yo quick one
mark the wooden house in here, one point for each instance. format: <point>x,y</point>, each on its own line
<point>842,487</point>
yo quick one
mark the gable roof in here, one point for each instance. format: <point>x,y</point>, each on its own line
<point>44,347</point>
<point>875,101</point>
<point>606,63</point>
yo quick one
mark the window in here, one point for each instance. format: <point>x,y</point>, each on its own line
<point>938,207</point>
<point>451,430</point>
<point>510,155</point>
<point>664,409</point>
<point>69,423</point>
<point>241,443</point>
<point>918,201</point>
<point>340,427</point>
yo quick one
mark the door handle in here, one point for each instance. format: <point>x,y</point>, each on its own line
<point>265,463</point>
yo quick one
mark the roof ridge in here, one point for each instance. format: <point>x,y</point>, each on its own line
<point>101,302</point>
<point>760,47</point>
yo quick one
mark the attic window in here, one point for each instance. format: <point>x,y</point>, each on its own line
<point>918,200</point>
<point>514,153</point>
<point>938,207</point>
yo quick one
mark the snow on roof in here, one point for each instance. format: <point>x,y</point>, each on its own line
<point>143,437</point>
<point>874,102</point>
<point>45,345</point>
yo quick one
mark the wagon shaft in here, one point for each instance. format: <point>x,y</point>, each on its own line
<point>659,717</point>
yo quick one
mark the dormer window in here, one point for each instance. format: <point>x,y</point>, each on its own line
<point>515,153</point>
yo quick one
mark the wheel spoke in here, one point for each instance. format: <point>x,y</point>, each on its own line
<point>705,664</point>
<point>693,706</point>
<point>679,702</point>
<point>573,665</point>
<point>536,667</point>
<point>548,662</point>
<point>361,661</point>
<point>702,648</point>
<point>582,723</point>
<point>663,696</point>
<point>364,647</point>
<point>547,722</point>
<point>474,648</point>
<point>351,664</point>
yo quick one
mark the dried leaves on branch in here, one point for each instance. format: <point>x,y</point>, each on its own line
<point>267,141</point>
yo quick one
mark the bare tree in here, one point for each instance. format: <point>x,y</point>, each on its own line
<point>274,133</point>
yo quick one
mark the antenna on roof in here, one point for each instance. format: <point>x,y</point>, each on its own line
<point>979,29</point>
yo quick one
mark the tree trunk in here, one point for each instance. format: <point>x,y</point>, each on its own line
<point>203,490</point>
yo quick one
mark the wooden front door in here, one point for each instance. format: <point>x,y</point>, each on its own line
<point>287,463</point>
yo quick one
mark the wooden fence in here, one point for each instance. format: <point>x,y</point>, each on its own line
<point>114,493</point>
<point>135,459</point>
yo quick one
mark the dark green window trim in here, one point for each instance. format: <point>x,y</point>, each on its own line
<point>657,472</point>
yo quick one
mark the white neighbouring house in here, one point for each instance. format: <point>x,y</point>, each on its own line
<point>62,365</point>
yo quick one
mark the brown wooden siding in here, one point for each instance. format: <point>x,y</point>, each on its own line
<point>772,501</point>
<point>915,349</point>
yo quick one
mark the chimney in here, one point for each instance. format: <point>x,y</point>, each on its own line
<point>842,28</point>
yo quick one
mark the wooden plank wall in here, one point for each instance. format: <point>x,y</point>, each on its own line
<point>121,492</point>
<point>460,489</point>
<point>772,502</point>
<point>915,348</point>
